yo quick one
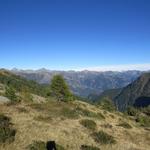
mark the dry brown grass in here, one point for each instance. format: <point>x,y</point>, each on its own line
<point>45,122</point>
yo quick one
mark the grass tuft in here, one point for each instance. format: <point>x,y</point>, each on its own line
<point>90,114</point>
<point>41,118</point>
<point>125,125</point>
<point>69,113</point>
<point>89,124</point>
<point>144,121</point>
<point>103,138</point>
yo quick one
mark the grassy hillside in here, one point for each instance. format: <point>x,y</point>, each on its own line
<point>74,126</point>
<point>18,83</point>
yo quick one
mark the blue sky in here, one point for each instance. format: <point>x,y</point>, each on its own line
<point>74,34</point>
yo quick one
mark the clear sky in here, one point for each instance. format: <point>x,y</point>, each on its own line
<point>74,34</point>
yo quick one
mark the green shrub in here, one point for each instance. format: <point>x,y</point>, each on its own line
<point>107,126</point>
<point>86,147</point>
<point>125,125</point>
<point>10,93</point>
<point>89,124</point>
<point>87,113</point>
<point>4,120</point>
<point>69,113</point>
<point>7,133</point>
<point>131,111</point>
<point>46,119</point>
<point>146,111</point>
<point>143,120</point>
<point>100,116</point>
<point>107,104</point>
<point>112,116</point>
<point>103,138</point>
<point>22,110</point>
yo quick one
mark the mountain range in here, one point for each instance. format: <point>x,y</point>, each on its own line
<point>83,83</point>
<point>129,88</point>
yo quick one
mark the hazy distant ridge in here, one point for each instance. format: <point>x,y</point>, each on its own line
<point>86,82</point>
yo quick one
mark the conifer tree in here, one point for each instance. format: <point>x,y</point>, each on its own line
<point>59,89</point>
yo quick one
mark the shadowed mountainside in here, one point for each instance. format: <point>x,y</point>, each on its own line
<point>135,94</point>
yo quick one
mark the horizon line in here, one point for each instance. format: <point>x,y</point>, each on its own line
<point>102,68</point>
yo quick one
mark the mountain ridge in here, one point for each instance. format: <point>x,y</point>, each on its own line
<point>83,83</point>
<point>134,93</point>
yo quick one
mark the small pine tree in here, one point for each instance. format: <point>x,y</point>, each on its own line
<point>60,89</point>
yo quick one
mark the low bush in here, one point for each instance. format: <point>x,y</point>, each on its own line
<point>143,120</point>
<point>10,93</point>
<point>103,138</point>
<point>100,116</point>
<point>112,116</point>
<point>7,133</point>
<point>107,126</point>
<point>89,124</point>
<point>87,113</point>
<point>107,104</point>
<point>4,120</point>
<point>22,110</point>
<point>86,147</point>
<point>131,111</point>
<point>69,113</point>
<point>41,118</point>
<point>146,111</point>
